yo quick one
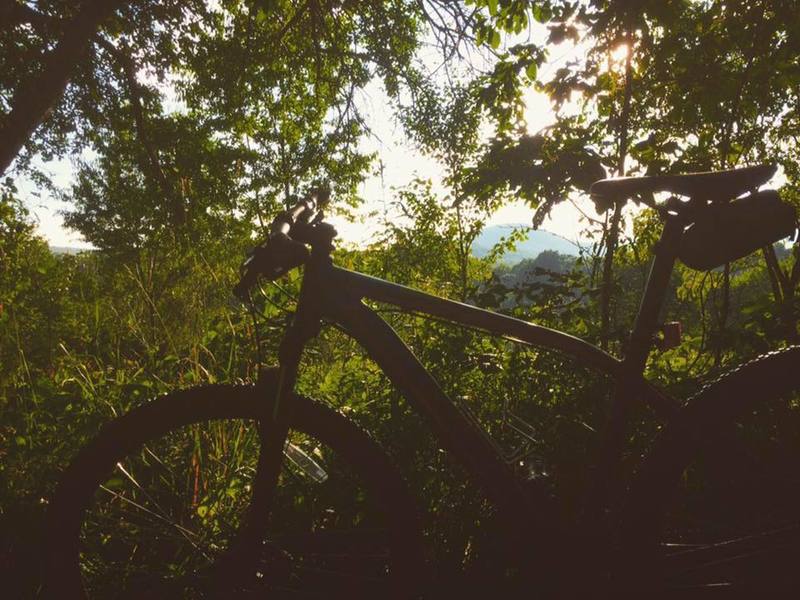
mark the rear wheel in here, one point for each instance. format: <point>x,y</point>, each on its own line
<point>716,508</point>
<point>148,507</point>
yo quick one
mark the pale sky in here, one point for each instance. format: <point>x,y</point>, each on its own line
<point>401,163</point>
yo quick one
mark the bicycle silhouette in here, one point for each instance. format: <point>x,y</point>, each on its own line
<point>320,511</point>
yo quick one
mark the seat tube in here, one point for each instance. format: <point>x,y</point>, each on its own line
<point>608,475</point>
<point>644,329</point>
<point>646,324</point>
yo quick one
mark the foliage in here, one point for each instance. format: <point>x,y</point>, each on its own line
<point>191,124</point>
<point>657,87</point>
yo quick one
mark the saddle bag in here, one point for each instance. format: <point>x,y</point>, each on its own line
<point>729,231</point>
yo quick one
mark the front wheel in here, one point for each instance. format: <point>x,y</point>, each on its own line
<point>150,505</point>
<point>716,506</point>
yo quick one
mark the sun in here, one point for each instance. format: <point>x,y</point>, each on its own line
<point>620,53</point>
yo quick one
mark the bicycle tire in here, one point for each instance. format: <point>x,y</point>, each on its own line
<point>218,407</point>
<point>715,505</point>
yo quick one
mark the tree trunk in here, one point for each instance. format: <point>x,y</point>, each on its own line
<point>613,233</point>
<point>774,273</point>
<point>463,257</point>
<point>36,97</point>
<point>608,276</point>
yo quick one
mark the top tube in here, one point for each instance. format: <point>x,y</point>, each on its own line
<point>366,286</point>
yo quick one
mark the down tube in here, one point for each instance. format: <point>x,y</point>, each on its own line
<point>459,434</point>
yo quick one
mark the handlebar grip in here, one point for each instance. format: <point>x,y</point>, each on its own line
<point>284,222</point>
<point>279,254</point>
<point>276,257</point>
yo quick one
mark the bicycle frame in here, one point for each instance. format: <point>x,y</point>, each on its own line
<point>334,294</point>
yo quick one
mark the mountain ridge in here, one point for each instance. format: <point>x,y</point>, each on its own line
<point>536,242</point>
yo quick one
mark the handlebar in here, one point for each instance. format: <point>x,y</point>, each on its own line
<point>280,252</point>
<point>283,223</point>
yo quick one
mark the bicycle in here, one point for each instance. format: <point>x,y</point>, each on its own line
<point>358,550</point>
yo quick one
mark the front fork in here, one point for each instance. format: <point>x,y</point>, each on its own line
<point>273,426</point>
<point>273,430</point>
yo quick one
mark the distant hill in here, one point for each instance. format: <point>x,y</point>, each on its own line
<point>68,250</point>
<point>536,242</point>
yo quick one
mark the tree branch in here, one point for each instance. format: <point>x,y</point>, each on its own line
<point>154,167</point>
<point>35,98</point>
<point>24,14</point>
<point>14,13</point>
<point>613,232</point>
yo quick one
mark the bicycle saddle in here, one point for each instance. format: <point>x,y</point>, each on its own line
<point>712,185</point>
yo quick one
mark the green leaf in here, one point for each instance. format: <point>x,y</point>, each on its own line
<point>494,39</point>
<point>115,483</point>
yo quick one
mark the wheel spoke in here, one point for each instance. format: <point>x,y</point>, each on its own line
<point>160,523</point>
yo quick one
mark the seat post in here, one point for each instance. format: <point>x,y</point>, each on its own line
<point>646,323</point>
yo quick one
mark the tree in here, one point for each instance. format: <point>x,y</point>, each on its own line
<point>286,114</point>
<point>721,86</point>
<point>444,121</point>
<point>74,67</point>
<point>662,87</point>
<point>35,97</point>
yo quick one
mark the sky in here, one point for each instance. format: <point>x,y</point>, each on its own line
<point>401,163</point>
